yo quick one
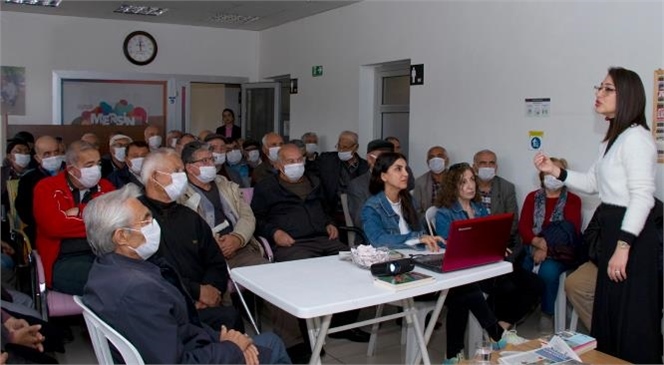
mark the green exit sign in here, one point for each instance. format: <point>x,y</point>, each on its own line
<point>317,71</point>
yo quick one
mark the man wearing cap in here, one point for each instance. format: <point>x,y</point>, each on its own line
<point>358,189</point>
<point>135,153</point>
<point>115,159</point>
<point>15,165</point>
<point>50,160</point>
<point>58,208</point>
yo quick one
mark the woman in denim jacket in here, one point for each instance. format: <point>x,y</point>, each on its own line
<point>389,216</point>
<point>459,199</point>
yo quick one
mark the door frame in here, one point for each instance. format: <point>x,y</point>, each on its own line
<point>277,103</point>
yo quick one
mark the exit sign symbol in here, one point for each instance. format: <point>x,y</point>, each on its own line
<point>317,71</point>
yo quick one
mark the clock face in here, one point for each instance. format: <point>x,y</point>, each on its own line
<point>140,48</point>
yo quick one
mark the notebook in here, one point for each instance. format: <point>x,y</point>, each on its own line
<point>471,242</point>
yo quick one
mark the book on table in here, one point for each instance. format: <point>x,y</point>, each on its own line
<point>403,281</point>
<point>579,342</point>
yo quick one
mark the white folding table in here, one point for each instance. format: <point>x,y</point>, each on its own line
<point>315,289</point>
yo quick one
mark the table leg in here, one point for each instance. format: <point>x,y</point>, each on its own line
<point>411,319</point>
<point>432,322</point>
<point>317,334</point>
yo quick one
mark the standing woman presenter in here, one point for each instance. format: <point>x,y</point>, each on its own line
<point>628,298</point>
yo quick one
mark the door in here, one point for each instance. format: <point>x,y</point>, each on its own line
<point>261,109</point>
<point>393,102</point>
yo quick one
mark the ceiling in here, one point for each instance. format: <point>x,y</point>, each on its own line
<point>196,13</point>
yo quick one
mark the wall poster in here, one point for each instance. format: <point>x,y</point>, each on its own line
<point>113,102</point>
<point>12,90</point>
<point>658,114</point>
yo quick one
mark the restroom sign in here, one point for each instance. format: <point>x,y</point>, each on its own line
<point>417,74</point>
<point>535,139</point>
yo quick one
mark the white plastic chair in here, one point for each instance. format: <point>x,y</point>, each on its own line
<point>101,333</point>
<point>430,217</point>
<point>560,309</point>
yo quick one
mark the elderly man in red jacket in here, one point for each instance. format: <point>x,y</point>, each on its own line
<point>58,209</point>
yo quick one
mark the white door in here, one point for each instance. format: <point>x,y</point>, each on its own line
<point>261,109</point>
<point>393,103</point>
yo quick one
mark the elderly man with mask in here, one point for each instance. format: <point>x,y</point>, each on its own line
<point>228,160</point>
<point>272,142</point>
<point>289,212</point>
<point>337,169</point>
<point>135,153</point>
<point>115,159</point>
<point>358,189</point>
<point>142,296</point>
<point>187,242</point>
<point>50,160</point>
<point>428,185</point>
<point>152,136</point>
<point>59,202</point>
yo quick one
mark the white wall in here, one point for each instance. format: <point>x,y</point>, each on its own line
<point>481,60</point>
<point>43,43</point>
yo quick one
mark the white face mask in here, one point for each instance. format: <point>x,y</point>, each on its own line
<point>155,142</point>
<point>52,164</point>
<point>234,156</point>
<point>345,155</point>
<point>22,160</point>
<point>90,176</point>
<point>552,183</point>
<point>253,156</point>
<point>436,165</point>
<point>219,158</point>
<point>152,235</point>
<point>174,142</point>
<point>311,148</point>
<point>136,165</point>
<point>176,187</point>
<point>486,173</point>
<point>294,171</point>
<point>273,155</point>
<point>119,153</point>
<point>207,174</point>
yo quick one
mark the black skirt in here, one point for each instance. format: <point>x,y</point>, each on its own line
<point>627,315</point>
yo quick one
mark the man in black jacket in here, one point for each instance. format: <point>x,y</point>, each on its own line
<point>289,212</point>
<point>337,169</point>
<point>186,239</point>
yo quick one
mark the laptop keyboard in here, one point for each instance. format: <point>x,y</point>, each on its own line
<point>433,259</point>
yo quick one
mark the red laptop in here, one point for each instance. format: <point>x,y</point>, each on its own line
<point>471,242</point>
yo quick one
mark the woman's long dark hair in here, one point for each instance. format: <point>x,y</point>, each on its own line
<point>630,102</point>
<point>449,189</point>
<point>376,185</point>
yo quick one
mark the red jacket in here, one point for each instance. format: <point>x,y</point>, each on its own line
<point>52,198</point>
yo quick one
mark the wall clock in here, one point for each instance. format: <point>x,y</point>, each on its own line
<point>140,48</point>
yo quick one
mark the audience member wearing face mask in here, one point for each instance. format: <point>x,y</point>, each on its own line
<point>134,155</point>
<point>60,231</point>
<point>115,159</point>
<point>125,237</point>
<point>50,161</point>
<point>200,263</point>
<point>427,186</point>
<point>14,166</point>
<point>271,144</point>
<point>550,226</point>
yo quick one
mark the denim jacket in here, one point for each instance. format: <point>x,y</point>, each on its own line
<point>446,216</point>
<point>381,224</point>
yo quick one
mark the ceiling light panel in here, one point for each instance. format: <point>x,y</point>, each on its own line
<point>140,10</point>
<point>48,3</point>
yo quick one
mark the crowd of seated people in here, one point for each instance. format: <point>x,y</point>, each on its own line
<point>191,190</point>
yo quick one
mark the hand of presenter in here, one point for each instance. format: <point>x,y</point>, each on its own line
<point>544,164</point>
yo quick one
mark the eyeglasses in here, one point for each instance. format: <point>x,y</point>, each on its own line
<point>600,89</point>
<point>460,165</point>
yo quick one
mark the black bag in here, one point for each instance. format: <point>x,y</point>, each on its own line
<point>563,243</point>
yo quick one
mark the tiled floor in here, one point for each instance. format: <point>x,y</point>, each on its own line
<point>388,349</point>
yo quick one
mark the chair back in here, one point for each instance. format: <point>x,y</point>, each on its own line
<point>349,221</point>
<point>247,194</point>
<point>15,222</point>
<point>50,303</point>
<point>100,333</point>
<point>430,217</point>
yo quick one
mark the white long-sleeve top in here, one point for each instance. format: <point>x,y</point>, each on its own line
<point>625,176</point>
